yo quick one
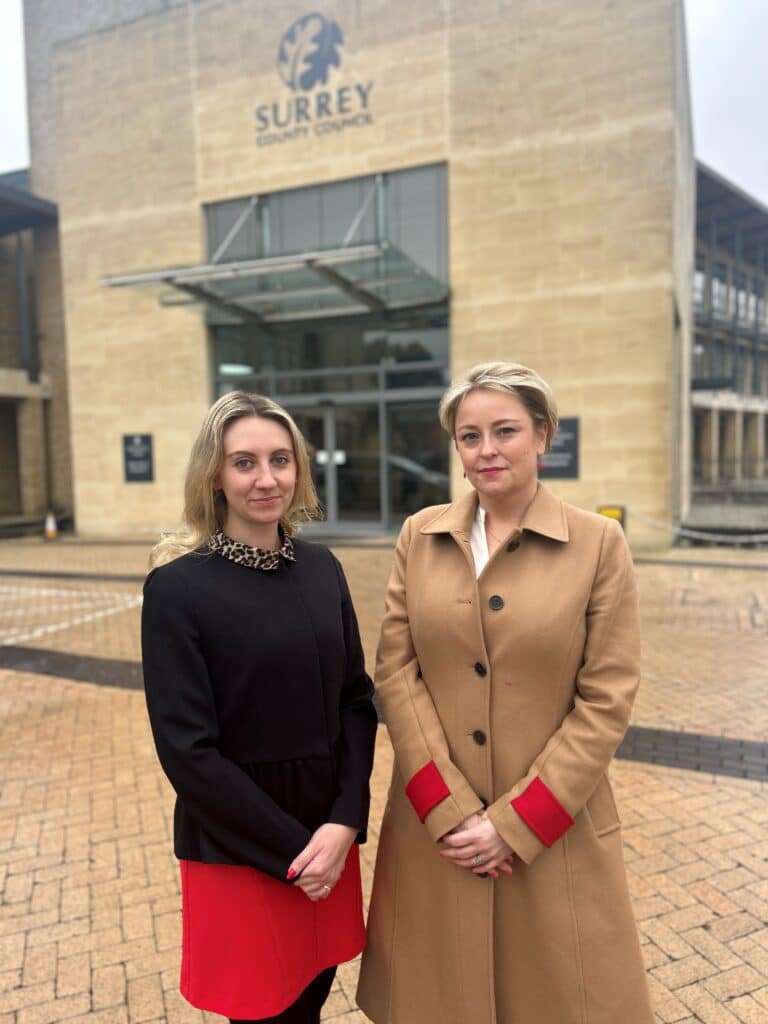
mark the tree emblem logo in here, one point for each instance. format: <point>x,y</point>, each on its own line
<point>307,52</point>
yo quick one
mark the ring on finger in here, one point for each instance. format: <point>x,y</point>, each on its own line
<point>326,889</point>
<point>478,859</point>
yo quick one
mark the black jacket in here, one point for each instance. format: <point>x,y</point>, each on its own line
<point>259,704</point>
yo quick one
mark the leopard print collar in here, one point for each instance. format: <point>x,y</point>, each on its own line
<point>254,558</point>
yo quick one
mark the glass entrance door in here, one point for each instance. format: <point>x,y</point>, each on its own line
<point>313,425</point>
<point>345,458</point>
<point>358,464</point>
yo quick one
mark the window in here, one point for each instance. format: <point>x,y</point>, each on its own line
<point>407,208</point>
<point>700,363</point>
<point>720,288</point>
<point>221,221</point>
<point>700,282</point>
<point>417,217</point>
<point>742,296</point>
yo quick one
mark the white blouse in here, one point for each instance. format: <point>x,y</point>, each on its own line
<point>478,541</point>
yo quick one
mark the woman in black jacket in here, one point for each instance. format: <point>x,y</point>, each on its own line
<point>261,712</point>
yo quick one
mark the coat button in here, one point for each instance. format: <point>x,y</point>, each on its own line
<point>480,668</point>
<point>479,737</point>
<point>496,603</point>
<point>513,545</point>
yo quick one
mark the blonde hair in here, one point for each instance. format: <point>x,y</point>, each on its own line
<point>512,378</point>
<point>205,511</point>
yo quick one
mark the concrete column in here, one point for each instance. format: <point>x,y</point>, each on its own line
<point>732,444</point>
<point>709,453</point>
<point>754,444</point>
<point>31,444</point>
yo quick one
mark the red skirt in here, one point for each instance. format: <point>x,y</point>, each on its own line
<point>251,944</point>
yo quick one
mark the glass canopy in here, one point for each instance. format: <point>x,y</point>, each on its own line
<point>326,283</point>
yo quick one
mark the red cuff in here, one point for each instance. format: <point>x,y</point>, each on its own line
<point>542,812</point>
<point>426,789</point>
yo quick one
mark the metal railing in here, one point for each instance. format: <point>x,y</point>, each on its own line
<point>384,376</point>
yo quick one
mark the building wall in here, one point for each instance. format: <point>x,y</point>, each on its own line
<point>564,128</point>
<point>30,424</point>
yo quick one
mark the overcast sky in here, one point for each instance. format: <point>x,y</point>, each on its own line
<point>729,86</point>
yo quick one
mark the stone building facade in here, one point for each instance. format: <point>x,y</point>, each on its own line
<point>453,183</point>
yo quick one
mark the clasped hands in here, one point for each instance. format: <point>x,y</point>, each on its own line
<point>321,862</point>
<point>476,844</point>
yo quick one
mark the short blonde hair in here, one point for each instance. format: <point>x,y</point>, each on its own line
<point>512,378</point>
<point>204,511</point>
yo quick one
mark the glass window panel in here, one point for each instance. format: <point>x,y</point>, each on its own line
<point>220,218</point>
<point>417,459</point>
<point>700,358</point>
<point>417,216</point>
<point>700,281</point>
<point>294,221</point>
<point>320,216</point>
<point>718,358</point>
<point>312,425</point>
<point>747,372</point>
<point>720,288</point>
<point>742,285</point>
<point>340,206</point>
<point>316,346</point>
<point>358,460</point>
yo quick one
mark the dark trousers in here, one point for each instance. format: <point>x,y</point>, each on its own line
<point>306,1009</point>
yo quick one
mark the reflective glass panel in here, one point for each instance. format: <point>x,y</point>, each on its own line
<point>311,423</point>
<point>357,461</point>
<point>417,461</point>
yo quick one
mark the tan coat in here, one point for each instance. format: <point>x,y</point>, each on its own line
<point>514,688</point>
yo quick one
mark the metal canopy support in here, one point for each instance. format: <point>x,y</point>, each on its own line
<point>231,308</point>
<point>348,287</point>
<point>239,268</point>
<point>278,289</point>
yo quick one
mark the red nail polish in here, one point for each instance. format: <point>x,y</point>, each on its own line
<point>291,874</point>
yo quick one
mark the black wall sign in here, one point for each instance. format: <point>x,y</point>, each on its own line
<point>137,458</point>
<point>563,461</point>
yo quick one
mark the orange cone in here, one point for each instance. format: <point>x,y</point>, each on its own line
<point>51,526</point>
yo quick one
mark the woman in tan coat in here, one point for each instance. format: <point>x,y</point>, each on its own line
<point>507,667</point>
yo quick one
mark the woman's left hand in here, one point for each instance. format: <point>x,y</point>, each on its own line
<point>480,848</point>
<point>321,862</point>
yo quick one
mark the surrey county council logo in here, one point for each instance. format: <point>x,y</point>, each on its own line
<point>305,56</point>
<point>308,50</point>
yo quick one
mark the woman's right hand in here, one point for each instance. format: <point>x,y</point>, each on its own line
<point>479,848</point>
<point>504,864</point>
<point>321,862</point>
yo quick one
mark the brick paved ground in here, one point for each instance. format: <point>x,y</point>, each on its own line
<point>89,914</point>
